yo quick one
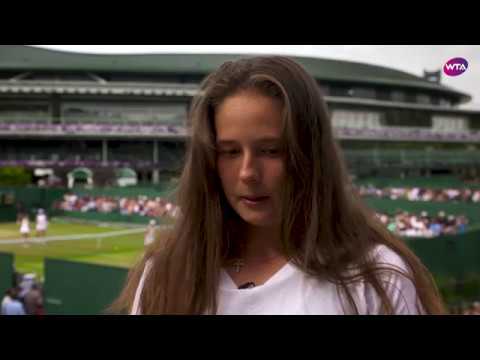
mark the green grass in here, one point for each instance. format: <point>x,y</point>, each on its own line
<point>11,230</point>
<point>122,250</point>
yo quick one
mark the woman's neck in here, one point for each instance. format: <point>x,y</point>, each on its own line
<point>260,256</point>
<point>261,242</point>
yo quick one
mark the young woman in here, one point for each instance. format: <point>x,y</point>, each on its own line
<point>41,223</point>
<point>24,228</point>
<point>267,223</point>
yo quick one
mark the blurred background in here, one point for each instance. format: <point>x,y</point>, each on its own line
<point>92,141</point>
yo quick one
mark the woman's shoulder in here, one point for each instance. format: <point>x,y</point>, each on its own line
<point>391,267</point>
<point>386,257</point>
<point>396,278</point>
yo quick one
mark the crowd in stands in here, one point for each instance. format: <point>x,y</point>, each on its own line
<point>472,309</point>
<point>51,181</point>
<point>421,194</point>
<point>410,225</point>
<point>25,297</point>
<point>465,308</point>
<point>471,180</point>
<point>141,205</point>
<point>402,223</point>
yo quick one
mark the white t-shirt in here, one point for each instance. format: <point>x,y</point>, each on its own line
<point>291,292</point>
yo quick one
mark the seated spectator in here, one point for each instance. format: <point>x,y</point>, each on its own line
<point>420,194</point>
<point>11,305</point>
<point>33,300</point>
<point>141,205</point>
<point>410,225</point>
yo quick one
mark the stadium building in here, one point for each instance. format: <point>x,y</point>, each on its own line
<point>116,119</point>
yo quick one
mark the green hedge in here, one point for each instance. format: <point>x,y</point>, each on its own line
<point>451,256</point>
<point>6,272</point>
<point>14,176</point>
<point>458,293</point>
<point>454,262</point>
<point>30,198</point>
<point>7,213</point>
<point>75,288</point>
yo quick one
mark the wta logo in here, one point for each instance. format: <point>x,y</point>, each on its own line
<point>455,66</point>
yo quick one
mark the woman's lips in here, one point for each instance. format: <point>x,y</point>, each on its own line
<point>254,200</point>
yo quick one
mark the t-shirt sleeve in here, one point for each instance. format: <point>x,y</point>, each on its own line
<point>138,293</point>
<point>19,309</point>
<point>399,288</point>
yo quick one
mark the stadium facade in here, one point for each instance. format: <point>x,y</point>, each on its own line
<point>61,111</point>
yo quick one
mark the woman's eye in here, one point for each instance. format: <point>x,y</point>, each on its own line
<point>271,151</point>
<point>229,152</point>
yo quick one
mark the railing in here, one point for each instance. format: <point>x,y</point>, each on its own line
<point>39,128</point>
<point>127,119</point>
<point>89,163</point>
<point>41,118</point>
<point>398,133</point>
<point>110,126</point>
<point>95,88</point>
<point>412,157</point>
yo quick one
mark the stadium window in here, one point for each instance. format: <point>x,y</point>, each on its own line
<point>444,102</point>
<point>355,119</point>
<point>169,114</point>
<point>449,123</point>
<point>325,89</point>
<point>435,100</point>
<point>421,119</point>
<point>423,99</point>
<point>373,119</point>
<point>474,122</point>
<point>406,118</point>
<point>411,97</point>
<point>398,96</point>
<point>24,112</point>
<point>382,94</point>
<point>361,92</point>
<point>339,91</point>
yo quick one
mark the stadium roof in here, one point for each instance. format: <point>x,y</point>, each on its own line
<point>27,58</point>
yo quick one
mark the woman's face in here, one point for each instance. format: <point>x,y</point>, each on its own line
<point>250,160</point>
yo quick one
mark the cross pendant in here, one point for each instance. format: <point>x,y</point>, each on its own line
<point>238,264</point>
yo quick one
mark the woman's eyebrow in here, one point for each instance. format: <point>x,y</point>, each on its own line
<point>226,142</point>
<point>263,140</point>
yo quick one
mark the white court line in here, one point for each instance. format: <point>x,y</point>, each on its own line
<point>73,237</point>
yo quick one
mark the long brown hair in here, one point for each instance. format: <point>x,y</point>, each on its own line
<point>326,229</point>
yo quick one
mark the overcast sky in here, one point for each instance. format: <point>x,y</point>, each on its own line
<point>410,58</point>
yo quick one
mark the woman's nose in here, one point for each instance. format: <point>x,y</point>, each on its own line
<point>249,170</point>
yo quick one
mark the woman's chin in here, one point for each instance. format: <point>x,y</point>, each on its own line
<point>258,220</point>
